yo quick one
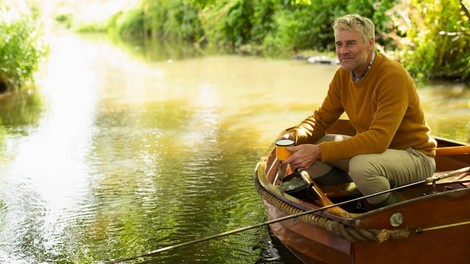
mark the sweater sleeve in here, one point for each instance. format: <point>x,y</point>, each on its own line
<point>313,127</point>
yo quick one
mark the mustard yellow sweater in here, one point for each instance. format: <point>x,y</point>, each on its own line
<point>383,107</point>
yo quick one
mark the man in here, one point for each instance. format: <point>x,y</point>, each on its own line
<point>392,145</point>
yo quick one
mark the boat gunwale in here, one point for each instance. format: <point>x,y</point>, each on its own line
<point>269,156</point>
<point>360,247</point>
<point>306,206</point>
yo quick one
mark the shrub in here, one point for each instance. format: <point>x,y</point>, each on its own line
<point>431,37</point>
<point>21,47</point>
<point>435,40</point>
<point>227,23</point>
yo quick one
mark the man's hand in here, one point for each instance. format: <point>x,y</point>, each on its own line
<point>304,156</point>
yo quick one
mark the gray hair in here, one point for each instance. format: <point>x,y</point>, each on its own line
<point>355,22</point>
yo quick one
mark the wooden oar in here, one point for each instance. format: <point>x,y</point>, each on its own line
<point>322,198</point>
<point>450,151</point>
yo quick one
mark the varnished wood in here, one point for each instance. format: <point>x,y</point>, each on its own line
<point>423,207</point>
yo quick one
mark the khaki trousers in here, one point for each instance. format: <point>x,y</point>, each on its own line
<point>374,173</point>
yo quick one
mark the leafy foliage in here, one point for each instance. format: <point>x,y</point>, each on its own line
<point>21,48</point>
<point>304,26</point>
<point>431,38</point>
<point>161,19</point>
<point>435,38</point>
<point>270,26</point>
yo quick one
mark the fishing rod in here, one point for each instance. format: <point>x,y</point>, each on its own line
<point>431,179</point>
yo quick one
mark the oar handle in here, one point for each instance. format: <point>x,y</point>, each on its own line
<point>324,199</point>
<point>457,150</point>
<point>437,177</point>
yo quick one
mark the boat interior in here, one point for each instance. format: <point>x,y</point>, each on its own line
<point>452,173</point>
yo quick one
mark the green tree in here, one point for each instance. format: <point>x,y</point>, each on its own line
<point>435,38</point>
<point>159,19</point>
<point>431,37</point>
<point>21,46</point>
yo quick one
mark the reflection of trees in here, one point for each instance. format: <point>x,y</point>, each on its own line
<point>157,50</point>
<point>447,111</point>
<point>20,111</point>
<point>167,176</point>
<point>455,128</point>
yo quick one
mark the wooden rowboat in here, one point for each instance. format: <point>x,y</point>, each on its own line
<point>430,224</point>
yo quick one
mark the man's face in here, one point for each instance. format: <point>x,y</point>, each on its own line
<point>352,51</point>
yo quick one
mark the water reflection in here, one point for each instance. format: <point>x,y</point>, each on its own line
<point>119,154</point>
<point>20,112</point>
<point>448,110</point>
<point>43,179</point>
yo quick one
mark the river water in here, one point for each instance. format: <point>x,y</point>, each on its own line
<point>122,150</point>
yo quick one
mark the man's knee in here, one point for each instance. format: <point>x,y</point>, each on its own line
<point>368,176</point>
<point>361,166</point>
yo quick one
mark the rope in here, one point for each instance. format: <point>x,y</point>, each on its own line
<point>347,232</point>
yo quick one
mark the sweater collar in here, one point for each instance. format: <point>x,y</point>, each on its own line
<point>358,78</point>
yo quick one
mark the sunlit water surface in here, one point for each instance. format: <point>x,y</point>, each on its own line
<point>119,153</point>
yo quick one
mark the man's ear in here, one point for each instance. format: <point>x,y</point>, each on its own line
<point>371,44</point>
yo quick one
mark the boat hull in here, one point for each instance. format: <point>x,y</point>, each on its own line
<point>445,244</point>
<point>430,225</point>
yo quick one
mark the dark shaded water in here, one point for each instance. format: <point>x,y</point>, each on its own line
<point>124,150</point>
